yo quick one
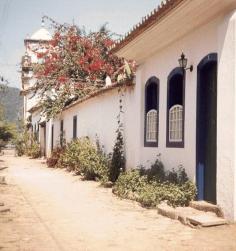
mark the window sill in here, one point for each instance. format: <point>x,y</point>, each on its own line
<point>175,144</point>
<point>150,144</point>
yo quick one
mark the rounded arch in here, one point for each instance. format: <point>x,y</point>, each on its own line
<point>210,58</point>
<point>152,80</point>
<point>175,71</point>
<point>151,104</point>
<point>175,97</point>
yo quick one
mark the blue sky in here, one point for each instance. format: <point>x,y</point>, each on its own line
<point>21,17</point>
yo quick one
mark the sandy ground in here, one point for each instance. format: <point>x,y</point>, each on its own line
<point>54,210</point>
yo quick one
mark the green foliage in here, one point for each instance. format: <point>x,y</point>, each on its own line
<point>22,143</point>
<point>173,187</point>
<point>88,159</point>
<point>75,65</point>
<point>103,170</point>
<point>177,176</point>
<point>129,184</point>
<point>26,144</point>
<point>156,172</point>
<point>84,157</point>
<point>118,158</point>
<point>52,161</point>
<point>69,159</point>
<point>2,113</point>
<point>12,104</point>
<point>7,132</point>
<point>33,150</point>
<point>175,195</point>
<point>19,147</point>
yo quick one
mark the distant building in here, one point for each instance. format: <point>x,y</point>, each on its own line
<point>32,117</point>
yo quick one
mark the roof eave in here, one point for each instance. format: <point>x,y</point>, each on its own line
<point>147,22</point>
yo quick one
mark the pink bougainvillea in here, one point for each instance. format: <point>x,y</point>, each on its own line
<point>73,64</point>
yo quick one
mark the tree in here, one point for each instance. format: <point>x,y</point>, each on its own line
<point>7,132</point>
<point>74,64</point>
<point>2,116</point>
<point>118,158</point>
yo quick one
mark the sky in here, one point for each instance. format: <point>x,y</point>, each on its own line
<point>19,18</point>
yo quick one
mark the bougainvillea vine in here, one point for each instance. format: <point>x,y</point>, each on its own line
<point>74,64</point>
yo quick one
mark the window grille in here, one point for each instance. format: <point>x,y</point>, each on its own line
<point>151,126</point>
<point>175,123</point>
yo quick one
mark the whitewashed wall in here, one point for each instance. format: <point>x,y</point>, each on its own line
<point>35,118</point>
<point>196,45</point>
<point>97,116</point>
<point>217,36</point>
<point>226,148</point>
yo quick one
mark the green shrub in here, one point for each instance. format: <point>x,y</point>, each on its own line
<point>178,176</point>
<point>19,147</point>
<point>118,159</point>
<point>155,173</point>
<point>34,150</point>
<point>69,159</point>
<point>22,142</point>
<point>52,161</point>
<point>129,184</point>
<point>26,144</point>
<point>148,195</point>
<point>88,160</point>
<point>172,187</point>
<point>83,157</point>
<point>103,170</point>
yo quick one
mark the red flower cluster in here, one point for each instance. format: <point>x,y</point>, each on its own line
<point>78,62</point>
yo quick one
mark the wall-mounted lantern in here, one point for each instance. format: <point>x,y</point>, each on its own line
<point>183,61</point>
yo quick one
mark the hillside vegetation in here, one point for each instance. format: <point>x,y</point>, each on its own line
<point>11,103</point>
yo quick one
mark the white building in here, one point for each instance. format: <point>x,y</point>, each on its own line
<point>36,43</point>
<point>189,117</point>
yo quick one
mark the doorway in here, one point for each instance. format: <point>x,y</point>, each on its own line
<point>207,129</point>
<point>43,139</point>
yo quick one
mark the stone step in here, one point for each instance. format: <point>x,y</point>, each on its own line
<point>4,209</point>
<point>206,220</point>
<point>3,167</point>
<point>191,216</point>
<point>2,180</point>
<point>207,207</point>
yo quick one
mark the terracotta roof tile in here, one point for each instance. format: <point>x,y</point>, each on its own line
<point>149,20</point>
<point>99,92</point>
<point>89,96</point>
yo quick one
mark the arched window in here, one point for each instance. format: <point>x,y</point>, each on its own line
<point>151,126</point>
<point>151,112</point>
<point>175,123</point>
<point>175,109</point>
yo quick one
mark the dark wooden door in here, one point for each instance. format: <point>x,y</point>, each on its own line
<point>207,129</point>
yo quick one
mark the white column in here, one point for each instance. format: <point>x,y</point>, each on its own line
<point>226,116</point>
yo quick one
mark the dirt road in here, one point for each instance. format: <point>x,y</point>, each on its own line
<point>54,210</point>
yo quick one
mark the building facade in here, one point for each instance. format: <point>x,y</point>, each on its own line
<point>187,115</point>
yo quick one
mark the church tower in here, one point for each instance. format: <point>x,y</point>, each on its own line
<point>33,45</point>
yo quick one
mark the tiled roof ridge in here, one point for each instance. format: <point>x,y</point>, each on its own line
<point>93,94</point>
<point>99,92</point>
<point>147,21</point>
